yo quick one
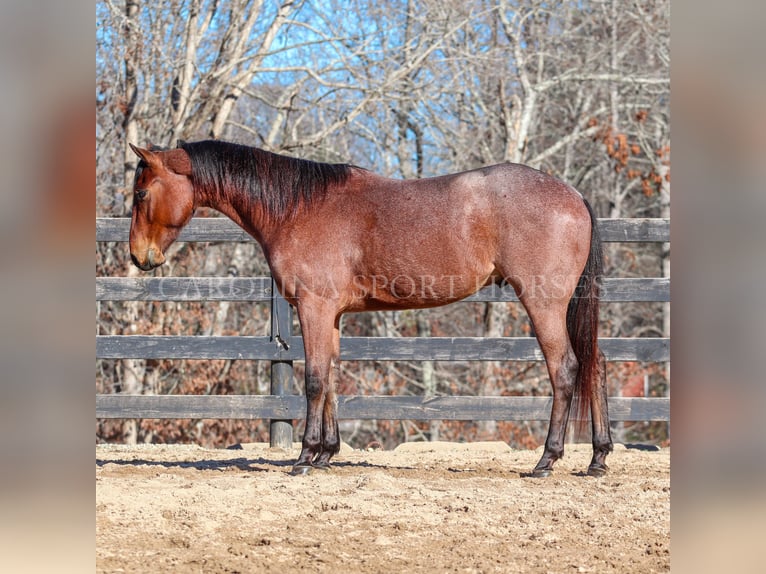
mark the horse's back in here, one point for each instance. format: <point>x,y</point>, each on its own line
<point>518,187</point>
<point>513,199</point>
<point>482,209</point>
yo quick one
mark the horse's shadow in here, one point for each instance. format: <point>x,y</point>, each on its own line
<point>239,463</point>
<point>258,464</point>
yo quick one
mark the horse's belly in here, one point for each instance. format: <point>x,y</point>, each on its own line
<point>414,290</point>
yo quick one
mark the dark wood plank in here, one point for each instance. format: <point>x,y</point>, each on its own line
<point>172,347</point>
<point>293,407</point>
<point>198,229</point>
<point>200,407</point>
<point>487,408</point>
<point>223,229</point>
<point>486,349</point>
<point>259,289</point>
<point>183,289</point>
<point>634,229</point>
<point>635,289</point>
<point>365,348</point>
<point>613,290</point>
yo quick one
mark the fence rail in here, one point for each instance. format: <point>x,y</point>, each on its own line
<point>650,349</point>
<point>457,408</point>
<point>259,289</point>
<point>222,229</point>
<point>281,407</point>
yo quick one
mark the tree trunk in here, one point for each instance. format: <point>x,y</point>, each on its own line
<point>133,369</point>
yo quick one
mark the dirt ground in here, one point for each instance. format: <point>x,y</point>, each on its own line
<point>423,507</point>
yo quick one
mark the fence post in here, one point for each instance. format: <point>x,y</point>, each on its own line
<point>281,431</point>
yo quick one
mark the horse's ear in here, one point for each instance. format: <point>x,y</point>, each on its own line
<point>146,155</point>
<point>178,161</point>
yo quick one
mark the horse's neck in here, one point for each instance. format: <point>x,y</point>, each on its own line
<point>248,215</point>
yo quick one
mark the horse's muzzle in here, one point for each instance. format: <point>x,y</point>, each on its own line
<point>154,258</point>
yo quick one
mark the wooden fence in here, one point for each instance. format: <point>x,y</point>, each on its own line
<point>281,408</point>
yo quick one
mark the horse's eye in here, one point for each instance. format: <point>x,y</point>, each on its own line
<point>140,194</point>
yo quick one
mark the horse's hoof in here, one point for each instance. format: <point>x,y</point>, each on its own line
<point>541,473</point>
<point>301,470</point>
<point>597,470</point>
<point>322,466</point>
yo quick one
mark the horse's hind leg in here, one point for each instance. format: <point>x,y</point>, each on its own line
<point>549,319</point>
<point>602,437</point>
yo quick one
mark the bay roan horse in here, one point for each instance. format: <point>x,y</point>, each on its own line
<point>339,239</point>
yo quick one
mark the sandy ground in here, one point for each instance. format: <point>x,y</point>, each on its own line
<point>423,507</point>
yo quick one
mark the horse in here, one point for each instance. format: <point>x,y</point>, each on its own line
<point>342,239</point>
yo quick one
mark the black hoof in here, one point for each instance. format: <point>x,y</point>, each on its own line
<point>597,470</point>
<point>301,469</point>
<point>541,473</point>
<point>322,466</point>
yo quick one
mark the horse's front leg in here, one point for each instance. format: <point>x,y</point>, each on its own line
<point>317,322</point>
<point>330,433</point>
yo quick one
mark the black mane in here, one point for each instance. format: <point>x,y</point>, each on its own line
<point>279,183</point>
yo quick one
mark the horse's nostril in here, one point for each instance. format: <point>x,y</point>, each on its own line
<point>154,257</point>
<point>134,259</point>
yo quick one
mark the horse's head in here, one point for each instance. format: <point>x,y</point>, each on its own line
<point>163,202</point>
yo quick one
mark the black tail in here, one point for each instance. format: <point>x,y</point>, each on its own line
<point>582,324</point>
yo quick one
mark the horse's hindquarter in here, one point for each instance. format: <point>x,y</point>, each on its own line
<point>546,228</point>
